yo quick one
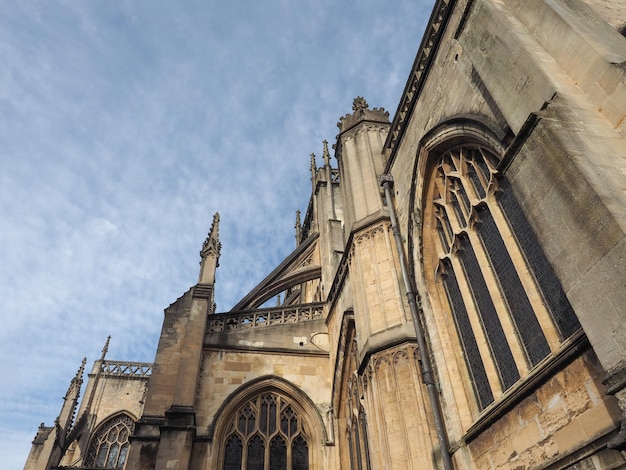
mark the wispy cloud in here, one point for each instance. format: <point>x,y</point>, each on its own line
<point>124,126</point>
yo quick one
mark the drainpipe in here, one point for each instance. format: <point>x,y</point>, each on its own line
<point>386,181</point>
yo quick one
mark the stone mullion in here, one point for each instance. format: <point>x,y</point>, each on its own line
<point>478,329</point>
<point>497,297</point>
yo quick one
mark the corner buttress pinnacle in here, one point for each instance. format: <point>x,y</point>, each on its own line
<point>210,253</point>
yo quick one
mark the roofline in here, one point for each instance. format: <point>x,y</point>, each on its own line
<point>421,66</point>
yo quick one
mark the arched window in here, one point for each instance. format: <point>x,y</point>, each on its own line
<point>108,447</point>
<point>266,433</point>
<point>509,309</point>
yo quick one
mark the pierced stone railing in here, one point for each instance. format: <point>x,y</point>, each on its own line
<point>264,317</point>
<point>127,369</point>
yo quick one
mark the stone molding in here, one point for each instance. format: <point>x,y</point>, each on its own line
<point>428,48</point>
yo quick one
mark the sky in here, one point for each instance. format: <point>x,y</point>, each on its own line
<point>124,126</point>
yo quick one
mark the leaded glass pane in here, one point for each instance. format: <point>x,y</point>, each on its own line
<point>109,446</point>
<point>489,316</point>
<point>257,418</point>
<point>278,454</point>
<point>232,453</point>
<point>528,328</point>
<point>473,359</point>
<point>560,308</point>
<point>299,454</point>
<point>256,454</point>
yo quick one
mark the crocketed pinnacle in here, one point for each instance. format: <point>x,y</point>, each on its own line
<point>212,243</point>
<point>326,154</point>
<point>313,166</point>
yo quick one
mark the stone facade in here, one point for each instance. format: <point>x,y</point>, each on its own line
<point>456,296</point>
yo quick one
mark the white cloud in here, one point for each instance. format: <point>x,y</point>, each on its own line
<point>124,126</point>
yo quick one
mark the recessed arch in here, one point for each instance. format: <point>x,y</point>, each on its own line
<point>109,444</point>
<point>481,263</point>
<point>238,422</point>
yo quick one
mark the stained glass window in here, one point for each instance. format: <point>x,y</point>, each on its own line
<point>109,445</point>
<point>267,434</point>
<point>500,287</point>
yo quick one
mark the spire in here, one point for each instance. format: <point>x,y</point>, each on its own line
<point>105,349</point>
<point>212,244</point>
<point>210,253</point>
<point>326,154</point>
<point>298,228</point>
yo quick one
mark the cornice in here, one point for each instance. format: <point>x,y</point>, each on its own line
<point>425,55</point>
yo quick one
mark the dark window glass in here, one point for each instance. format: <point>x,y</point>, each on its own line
<point>560,308</point>
<point>468,341</point>
<point>256,454</point>
<point>490,321</point>
<point>232,456</point>
<point>527,326</point>
<point>109,446</point>
<point>299,454</point>
<point>278,454</point>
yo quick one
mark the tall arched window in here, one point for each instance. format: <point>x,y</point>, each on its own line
<point>509,309</point>
<point>109,445</point>
<point>266,433</point>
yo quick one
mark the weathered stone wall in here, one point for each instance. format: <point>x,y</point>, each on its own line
<point>536,79</point>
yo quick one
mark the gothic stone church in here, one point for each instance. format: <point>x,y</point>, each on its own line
<point>457,294</point>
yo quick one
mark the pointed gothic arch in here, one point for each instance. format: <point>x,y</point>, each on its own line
<point>482,264</point>
<point>270,421</point>
<point>109,444</point>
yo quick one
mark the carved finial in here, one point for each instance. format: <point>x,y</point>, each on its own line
<point>326,154</point>
<point>298,228</point>
<point>212,243</point>
<point>359,103</point>
<point>105,349</point>
<point>278,300</point>
<point>313,166</point>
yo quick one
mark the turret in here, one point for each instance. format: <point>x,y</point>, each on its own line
<point>359,153</point>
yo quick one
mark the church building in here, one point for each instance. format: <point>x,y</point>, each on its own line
<point>456,298</point>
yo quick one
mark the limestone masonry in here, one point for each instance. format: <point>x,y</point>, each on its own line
<point>457,294</point>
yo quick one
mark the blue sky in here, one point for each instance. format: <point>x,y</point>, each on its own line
<point>124,125</point>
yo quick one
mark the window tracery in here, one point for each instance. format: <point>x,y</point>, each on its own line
<point>109,445</point>
<point>266,433</point>
<point>500,289</point>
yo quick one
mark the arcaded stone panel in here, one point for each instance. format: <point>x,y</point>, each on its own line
<point>568,411</point>
<point>379,303</point>
<point>397,411</point>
